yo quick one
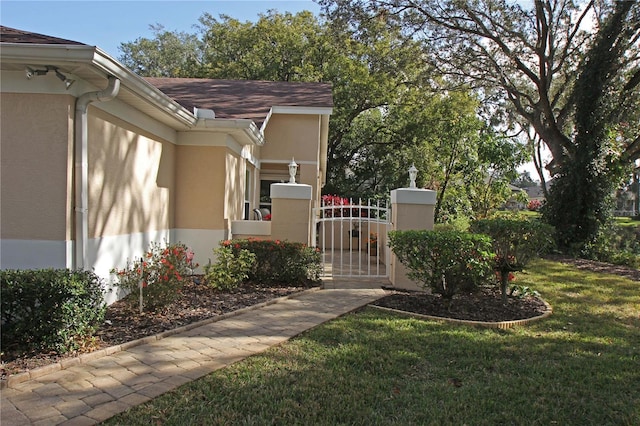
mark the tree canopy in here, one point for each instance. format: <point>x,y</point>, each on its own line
<point>568,70</point>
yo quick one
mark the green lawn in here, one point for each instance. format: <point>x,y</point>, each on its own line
<point>627,221</point>
<point>581,366</point>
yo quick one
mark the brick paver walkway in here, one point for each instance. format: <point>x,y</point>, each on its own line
<point>93,390</point>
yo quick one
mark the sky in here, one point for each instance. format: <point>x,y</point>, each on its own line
<point>107,24</point>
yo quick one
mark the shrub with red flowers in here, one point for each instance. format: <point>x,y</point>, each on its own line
<point>534,205</point>
<point>158,277</point>
<point>515,242</point>
<point>279,262</point>
<point>341,207</point>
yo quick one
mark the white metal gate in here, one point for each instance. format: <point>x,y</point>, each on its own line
<point>352,237</point>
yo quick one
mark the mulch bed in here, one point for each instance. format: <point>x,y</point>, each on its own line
<point>198,302</point>
<point>124,323</point>
<point>484,305</point>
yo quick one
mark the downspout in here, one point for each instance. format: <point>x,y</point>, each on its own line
<point>81,142</point>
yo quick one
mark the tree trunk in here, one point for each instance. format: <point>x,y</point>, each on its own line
<point>504,283</point>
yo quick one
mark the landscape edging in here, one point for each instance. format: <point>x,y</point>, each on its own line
<point>503,325</point>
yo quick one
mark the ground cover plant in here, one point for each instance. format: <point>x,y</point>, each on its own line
<point>580,366</point>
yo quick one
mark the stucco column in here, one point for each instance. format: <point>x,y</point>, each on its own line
<point>291,212</point>
<point>411,209</point>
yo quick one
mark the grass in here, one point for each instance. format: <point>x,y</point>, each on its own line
<point>627,222</point>
<point>581,366</point>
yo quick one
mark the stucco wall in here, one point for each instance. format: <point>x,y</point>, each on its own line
<point>36,152</point>
<point>200,180</point>
<point>235,187</point>
<point>290,136</point>
<point>131,178</point>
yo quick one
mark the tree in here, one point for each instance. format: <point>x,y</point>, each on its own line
<point>168,54</point>
<point>278,47</point>
<point>527,63</point>
<point>488,184</point>
<point>580,200</point>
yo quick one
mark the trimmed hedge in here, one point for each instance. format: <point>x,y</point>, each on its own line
<point>279,262</point>
<point>446,261</point>
<point>49,309</point>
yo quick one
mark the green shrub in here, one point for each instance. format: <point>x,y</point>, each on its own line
<point>280,262</point>
<point>460,223</point>
<point>515,242</point>
<point>445,261</point>
<point>615,244</point>
<point>49,309</point>
<point>162,272</point>
<point>229,269</point>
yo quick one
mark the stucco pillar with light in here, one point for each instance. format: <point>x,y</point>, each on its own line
<point>411,209</point>
<point>291,209</point>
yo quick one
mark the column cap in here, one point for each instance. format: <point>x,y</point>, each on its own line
<point>413,196</point>
<point>295,191</point>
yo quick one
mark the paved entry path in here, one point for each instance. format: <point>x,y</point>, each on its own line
<point>96,389</point>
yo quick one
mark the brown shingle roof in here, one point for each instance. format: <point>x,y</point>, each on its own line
<point>12,35</point>
<point>246,99</point>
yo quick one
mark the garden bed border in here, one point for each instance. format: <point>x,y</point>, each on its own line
<point>503,325</point>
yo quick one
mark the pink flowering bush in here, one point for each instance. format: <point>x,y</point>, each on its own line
<point>341,207</point>
<point>161,273</point>
<point>534,205</point>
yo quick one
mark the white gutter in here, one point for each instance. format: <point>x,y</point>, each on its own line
<point>246,129</point>
<point>81,142</point>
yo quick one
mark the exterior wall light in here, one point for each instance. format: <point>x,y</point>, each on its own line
<point>413,173</point>
<point>293,168</point>
<point>31,72</point>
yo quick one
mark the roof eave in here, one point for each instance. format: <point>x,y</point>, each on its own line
<point>102,62</point>
<point>244,130</point>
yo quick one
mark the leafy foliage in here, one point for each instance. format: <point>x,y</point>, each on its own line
<point>167,54</point>
<point>447,261</point>
<point>515,243</point>
<point>229,270</point>
<point>580,201</point>
<point>279,262</point>
<point>160,272</point>
<point>49,309</point>
<point>615,244</point>
<point>537,67</point>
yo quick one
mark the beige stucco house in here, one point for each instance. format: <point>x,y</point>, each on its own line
<point>98,162</point>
